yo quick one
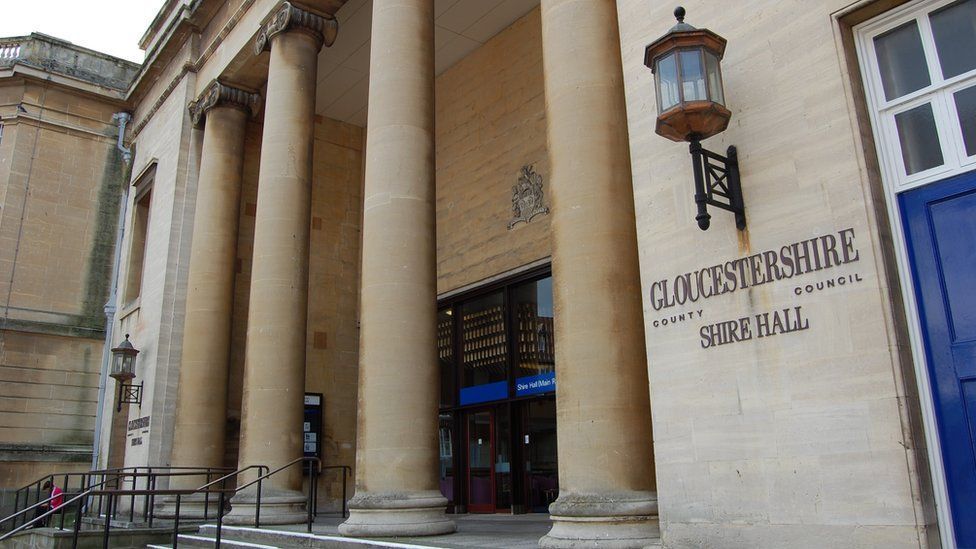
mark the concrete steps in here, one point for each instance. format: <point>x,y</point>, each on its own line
<point>242,537</point>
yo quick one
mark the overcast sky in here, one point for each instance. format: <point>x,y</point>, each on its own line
<point>109,26</point>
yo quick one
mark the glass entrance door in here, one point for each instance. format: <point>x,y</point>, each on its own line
<point>541,476</point>
<point>481,466</point>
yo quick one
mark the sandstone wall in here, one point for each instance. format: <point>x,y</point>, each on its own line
<point>804,435</point>
<point>490,121</point>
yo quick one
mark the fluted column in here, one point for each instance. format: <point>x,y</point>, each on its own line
<point>198,438</point>
<point>607,495</point>
<point>397,491</point>
<point>274,370</point>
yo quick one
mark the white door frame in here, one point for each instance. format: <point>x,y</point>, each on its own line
<point>895,182</point>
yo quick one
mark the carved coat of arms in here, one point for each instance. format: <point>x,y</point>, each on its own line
<point>527,197</point>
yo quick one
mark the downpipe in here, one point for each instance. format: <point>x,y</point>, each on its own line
<point>122,118</point>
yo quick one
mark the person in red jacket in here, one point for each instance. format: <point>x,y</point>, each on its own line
<point>57,500</point>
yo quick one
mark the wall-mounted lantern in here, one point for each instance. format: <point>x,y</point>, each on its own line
<point>691,107</point>
<point>123,370</point>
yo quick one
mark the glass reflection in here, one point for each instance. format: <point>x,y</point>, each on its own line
<point>714,78</point>
<point>535,335</point>
<point>692,76</point>
<point>954,30</point>
<point>919,138</point>
<point>445,354</point>
<point>966,109</point>
<point>901,60</point>
<point>667,77</point>
<point>484,346</point>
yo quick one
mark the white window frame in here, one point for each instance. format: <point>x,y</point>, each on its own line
<point>895,181</point>
<point>938,92</point>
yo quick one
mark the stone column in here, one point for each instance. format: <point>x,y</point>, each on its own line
<point>397,491</point>
<point>274,369</point>
<point>198,438</point>
<point>607,494</point>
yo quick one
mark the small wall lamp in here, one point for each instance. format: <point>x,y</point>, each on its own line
<point>123,370</point>
<point>686,63</point>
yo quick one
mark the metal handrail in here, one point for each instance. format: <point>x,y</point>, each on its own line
<point>234,474</point>
<point>114,495</point>
<point>119,474</point>
<point>96,489</point>
<point>346,472</point>
<point>77,498</point>
<point>311,489</point>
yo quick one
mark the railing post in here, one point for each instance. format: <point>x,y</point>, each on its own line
<point>145,498</point>
<point>257,508</point>
<point>152,500</point>
<point>132,497</point>
<point>206,499</point>
<point>16,508</point>
<point>108,521</point>
<point>176,522</point>
<point>77,525</point>
<point>220,517</point>
<point>311,489</point>
<point>343,491</point>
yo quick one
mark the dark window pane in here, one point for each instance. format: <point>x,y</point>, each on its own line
<point>479,459</point>
<point>446,439</point>
<point>484,349</point>
<point>901,60</point>
<point>539,453</point>
<point>503,457</point>
<point>445,355</point>
<point>954,28</point>
<point>966,107</point>
<point>919,138</point>
<point>536,345</point>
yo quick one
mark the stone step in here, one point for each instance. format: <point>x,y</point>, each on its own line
<point>207,541</point>
<point>269,537</point>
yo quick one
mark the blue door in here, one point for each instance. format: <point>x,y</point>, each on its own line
<point>940,226</point>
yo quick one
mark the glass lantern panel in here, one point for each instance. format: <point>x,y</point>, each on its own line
<point>919,138</point>
<point>714,78</point>
<point>954,30</point>
<point>692,76</point>
<point>667,83</point>
<point>901,61</point>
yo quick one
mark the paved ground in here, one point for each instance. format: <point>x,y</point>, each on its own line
<point>482,531</point>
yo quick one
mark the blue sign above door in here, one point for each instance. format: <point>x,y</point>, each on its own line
<point>537,384</point>
<point>484,393</point>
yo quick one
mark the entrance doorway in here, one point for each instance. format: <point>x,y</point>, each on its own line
<point>920,84</point>
<point>511,465</point>
<point>489,471</point>
<point>498,407</point>
<point>940,224</point>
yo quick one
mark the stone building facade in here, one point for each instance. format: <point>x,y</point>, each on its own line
<point>408,286</point>
<point>61,178</point>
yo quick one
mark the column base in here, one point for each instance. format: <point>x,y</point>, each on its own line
<point>394,515</point>
<point>605,521</point>
<point>277,507</point>
<point>192,507</point>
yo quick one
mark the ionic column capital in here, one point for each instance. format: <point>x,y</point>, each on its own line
<point>289,16</point>
<point>218,94</point>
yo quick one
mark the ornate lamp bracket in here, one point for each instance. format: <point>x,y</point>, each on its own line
<point>129,394</point>
<point>717,184</point>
